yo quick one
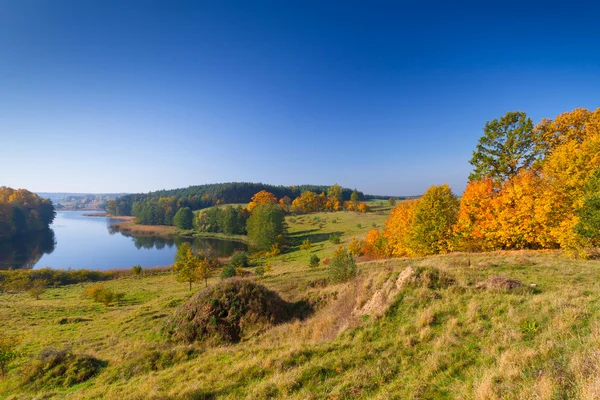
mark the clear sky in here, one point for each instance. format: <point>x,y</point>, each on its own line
<point>388,97</point>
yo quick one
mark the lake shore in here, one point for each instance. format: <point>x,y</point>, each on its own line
<point>168,232</point>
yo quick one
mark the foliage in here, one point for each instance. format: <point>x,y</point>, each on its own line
<point>229,271</point>
<point>507,146</point>
<point>8,351</point>
<point>262,197</point>
<point>101,294</point>
<point>22,212</point>
<point>239,260</point>
<point>136,270</point>
<point>37,288</point>
<point>191,266</point>
<point>229,220</point>
<point>61,368</point>
<point>342,266</point>
<point>314,261</point>
<point>334,238</point>
<point>588,223</point>
<point>356,247</point>
<point>183,218</point>
<point>226,312</point>
<point>265,225</point>
<point>434,216</point>
<point>306,245</point>
<point>392,202</point>
<point>397,229</point>
<point>260,270</point>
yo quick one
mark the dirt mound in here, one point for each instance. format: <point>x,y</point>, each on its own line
<point>227,311</point>
<point>502,283</point>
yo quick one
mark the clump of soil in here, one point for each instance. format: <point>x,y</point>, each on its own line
<point>500,283</point>
<point>227,311</point>
<point>62,368</point>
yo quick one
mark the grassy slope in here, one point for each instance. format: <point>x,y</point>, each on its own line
<point>452,342</point>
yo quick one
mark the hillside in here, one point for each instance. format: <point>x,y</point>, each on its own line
<point>510,325</point>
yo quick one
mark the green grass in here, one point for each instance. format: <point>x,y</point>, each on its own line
<point>427,339</point>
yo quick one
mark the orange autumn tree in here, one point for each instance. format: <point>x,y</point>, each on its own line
<point>262,197</point>
<point>375,244</point>
<point>476,225</point>
<point>309,202</point>
<point>397,229</point>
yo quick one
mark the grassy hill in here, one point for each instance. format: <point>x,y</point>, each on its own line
<point>505,325</point>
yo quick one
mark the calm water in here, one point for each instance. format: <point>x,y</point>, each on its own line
<point>76,241</point>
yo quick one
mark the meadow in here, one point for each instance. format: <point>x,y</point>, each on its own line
<point>499,325</point>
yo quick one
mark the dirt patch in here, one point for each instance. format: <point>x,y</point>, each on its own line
<point>382,298</point>
<point>501,283</point>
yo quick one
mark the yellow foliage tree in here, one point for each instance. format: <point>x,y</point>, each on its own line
<point>397,229</point>
<point>262,197</point>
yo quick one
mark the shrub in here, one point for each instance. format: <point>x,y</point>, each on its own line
<point>136,270</point>
<point>355,247</point>
<point>101,294</point>
<point>228,272</point>
<point>342,266</point>
<point>306,245</point>
<point>260,270</point>
<point>146,360</point>
<point>358,225</point>
<point>314,261</point>
<point>62,368</point>
<point>37,288</point>
<point>8,351</point>
<point>327,260</point>
<point>239,260</point>
<point>226,312</point>
<point>335,239</point>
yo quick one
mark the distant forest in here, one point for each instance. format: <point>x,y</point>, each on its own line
<point>161,206</point>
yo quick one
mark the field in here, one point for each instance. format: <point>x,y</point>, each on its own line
<point>434,327</point>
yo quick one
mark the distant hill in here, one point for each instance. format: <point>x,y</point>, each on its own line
<point>80,201</point>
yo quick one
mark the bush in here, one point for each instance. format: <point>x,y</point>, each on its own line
<point>146,360</point>
<point>101,294</point>
<point>136,270</point>
<point>260,270</point>
<point>335,239</point>
<point>37,288</point>
<point>8,352</point>
<point>226,312</point>
<point>228,272</point>
<point>239,260</point>
<point>342,266</point>
<point>62,368</point>
<point>358,225</point>
<point>314,261</point>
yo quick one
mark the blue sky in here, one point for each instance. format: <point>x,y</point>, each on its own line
<point>387,97</point>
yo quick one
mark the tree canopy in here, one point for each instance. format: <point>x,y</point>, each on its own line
<point>508,145</point>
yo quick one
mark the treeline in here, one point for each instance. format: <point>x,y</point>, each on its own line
<point>23,212</point>
<point>228,220</point>
<point>532,187</point>
<point>160,207</point>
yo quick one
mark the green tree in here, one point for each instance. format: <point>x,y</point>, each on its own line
<point>507,146</point>
<point>188,265</point>
<point>588,225</point>
<point>355,197</point>
<point>434,216</point>
<point>392,201</point>
<point>183,218</point>
<point>314,261</point>
<point>335,193</point>
<point>342,266</point>
<point>265,224</point>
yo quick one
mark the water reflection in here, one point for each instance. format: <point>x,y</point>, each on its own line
<point>222,248</point>
<point>25,251</point>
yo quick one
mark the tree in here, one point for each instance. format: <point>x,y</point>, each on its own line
<point>306,245</point>
<point>262,197</point>
<point>264,225</point>
<point>434,217</point>
<point>397,228</point>
<point>342,266</point>
<point>355,198</point>
<point>37,288</point>
<point>314,261</point>
<point>392,202</point>
<point>588,225</point>
<point>187,265</point>
<point>507,146</point>
<point>184,218</point>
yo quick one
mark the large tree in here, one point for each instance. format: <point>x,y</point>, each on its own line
<point>184,218</point>
<point>507,146</point>
<point>264,225</point>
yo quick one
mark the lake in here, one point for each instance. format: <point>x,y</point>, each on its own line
<point>76,241</point>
